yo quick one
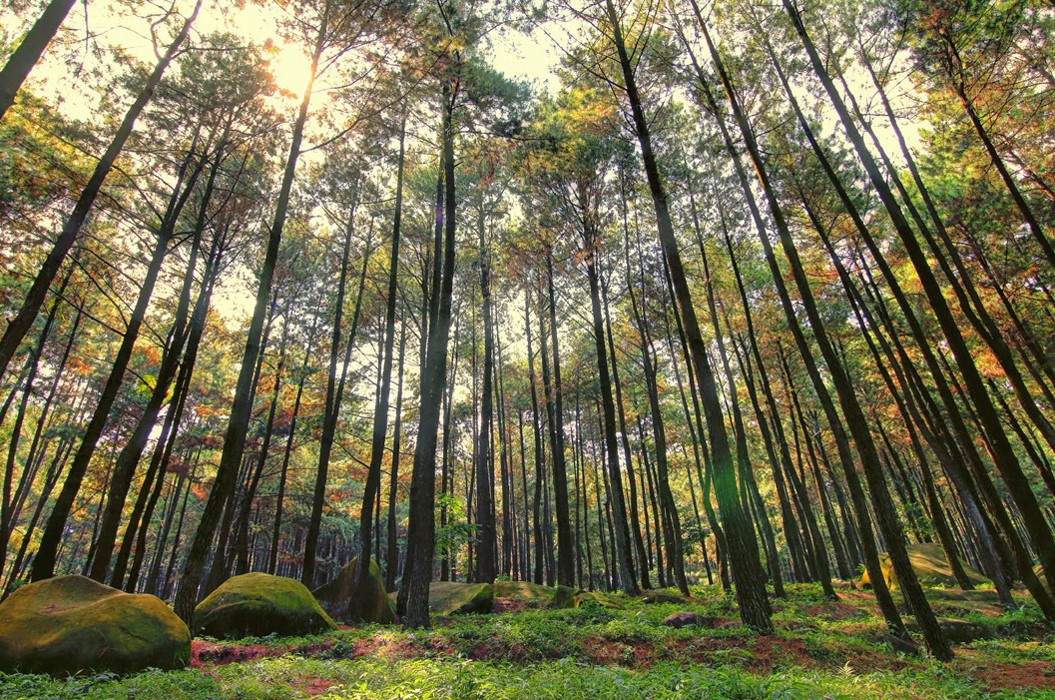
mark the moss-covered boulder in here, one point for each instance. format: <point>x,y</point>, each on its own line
<point>341,599</point>
<point>68,624</point>
<point>564,597</point>
<point>256,605</point>
<point>929,563</point>
<point>523,590</point>
<point>654,597</point>
<point>452,598</point>
<point>598,599</point>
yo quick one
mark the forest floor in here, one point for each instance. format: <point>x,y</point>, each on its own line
<point>822,649</point>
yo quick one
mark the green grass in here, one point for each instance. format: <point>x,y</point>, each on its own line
<point>593,652</point>
<point>368,679</point>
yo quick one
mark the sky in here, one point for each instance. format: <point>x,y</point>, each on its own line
<point>94,27</point>
<point>92,30</point>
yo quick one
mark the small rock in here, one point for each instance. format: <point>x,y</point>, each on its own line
<point>684,619</point>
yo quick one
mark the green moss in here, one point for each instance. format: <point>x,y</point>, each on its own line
<point>654,597</point>
<point>564,597</point>
<point>257,605</point>
<point>596,598</point>
<point>595,652</point>
<point>451,598</point>
<point>523,590</point>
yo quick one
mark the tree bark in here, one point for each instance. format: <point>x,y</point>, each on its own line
<point>380,429</point>
<point>421,529</point>
<point>238,423</point>
<point>755,610</point>
<point>30,49</point>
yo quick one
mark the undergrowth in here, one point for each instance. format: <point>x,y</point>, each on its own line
<point>613,650</point>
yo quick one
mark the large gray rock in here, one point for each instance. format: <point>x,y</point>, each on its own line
<point>68,624</point>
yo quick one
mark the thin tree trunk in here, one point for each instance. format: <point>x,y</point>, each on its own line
<point>30,49</point>
<point>998,444</point>
<point>45,561</point>
<point>392,556</point>
<point>335,382</point>
<point>486,566</point>
<point>18,326</point>
<point>621,544</point>
<point>635,520</point>
<point>380,430</point>
<point>128,458</point>
<point>538,443</point>
<point>9,494</point>
<point>555,393</point>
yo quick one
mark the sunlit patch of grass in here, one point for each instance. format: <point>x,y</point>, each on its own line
<point>284,678</point>
<point>152,683</point>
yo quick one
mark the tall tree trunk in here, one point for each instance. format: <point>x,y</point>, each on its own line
<point>142,512</point>
<point>486,566</point>
<point>555,398</point>
<point>883,597</point>
<point>743,459</point>
<point>624,435</point>
<point>421,529</point>
<point>380,430</point>
<point>241,408</point>
<point>998,444</point>
<point>537,442</point>
<point>280,495</point>
<point>128,458</point>
<point>335,382</point>
<point>8,496</point>
<point>392,556</point>
<point>30,49</point>
<point>621,544</point>
<point>855,419</point>
<point>241,528</point>
<point>672,538</point>
<point>510,562</point>
<point>754,605</point>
